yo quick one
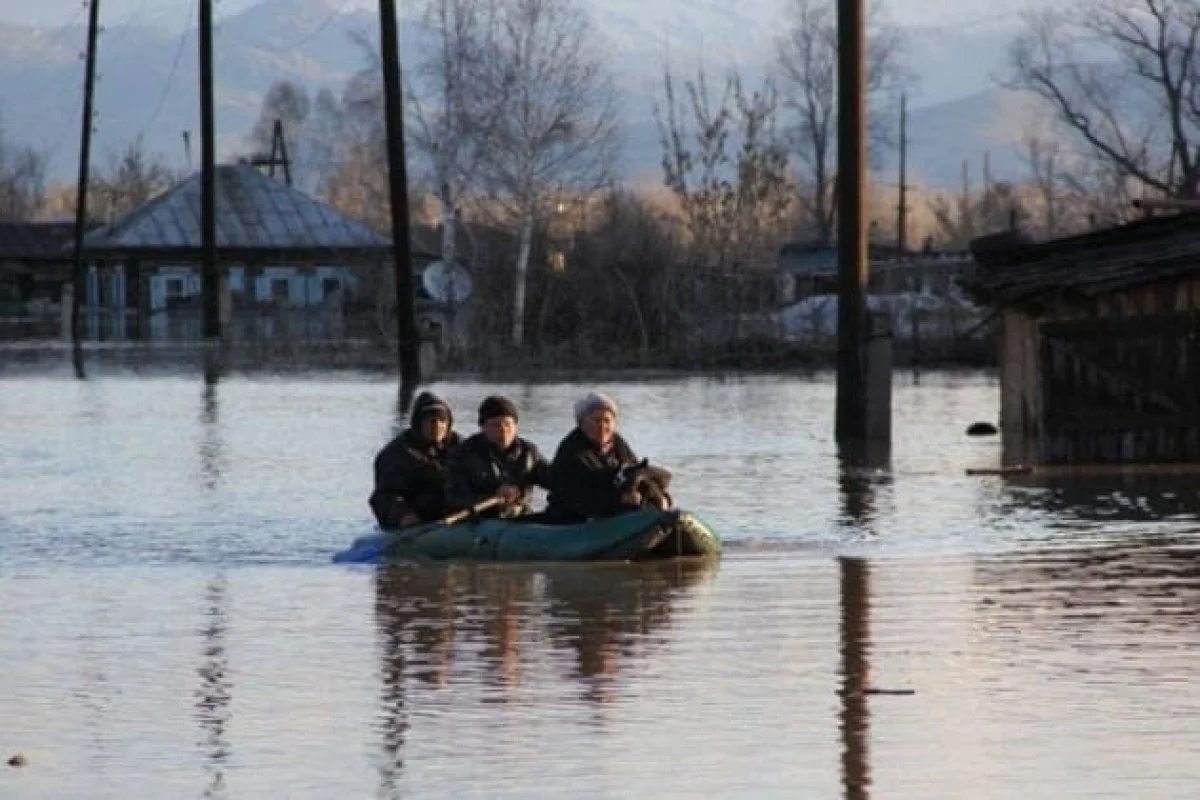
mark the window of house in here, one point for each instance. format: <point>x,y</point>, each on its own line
<point>279,290</point>
<point>330,286</point>
<point>174,287</point>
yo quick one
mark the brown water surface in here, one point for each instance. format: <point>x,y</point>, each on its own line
<point>172,626</point>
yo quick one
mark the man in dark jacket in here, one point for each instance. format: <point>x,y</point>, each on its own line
<point>410,471</point>
<point>586,466</point>
<point>496,463</point>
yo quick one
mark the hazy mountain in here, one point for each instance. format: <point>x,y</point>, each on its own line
<point>149,78</point>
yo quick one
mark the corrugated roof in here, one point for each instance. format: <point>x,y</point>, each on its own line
<point>254,212</point>
<point>1014,271</point>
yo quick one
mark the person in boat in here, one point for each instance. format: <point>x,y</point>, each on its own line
<point>496,462</point>
<point>410,471</point>
<point>592,474</point>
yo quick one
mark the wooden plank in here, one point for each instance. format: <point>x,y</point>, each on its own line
<point>1175,324</point>
<point>1132,382</point>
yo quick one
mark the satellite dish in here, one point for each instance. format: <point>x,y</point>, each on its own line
<point>446,282</point>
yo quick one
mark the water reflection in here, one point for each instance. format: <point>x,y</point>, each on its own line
<point>1150,581</point>
<point>1129,496</point>
<point>612,615</point>
<point>862,469</point>
<point>211,445</point>
<point>485,626</point>
<point>213,694</point>
<point>855,647</point>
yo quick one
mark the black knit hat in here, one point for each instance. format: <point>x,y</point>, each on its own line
<point>429,403</point>
<point>496,406</point>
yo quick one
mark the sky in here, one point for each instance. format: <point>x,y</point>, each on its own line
<point>53,13</point>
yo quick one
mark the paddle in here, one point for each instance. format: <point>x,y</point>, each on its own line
<point>371,548</point>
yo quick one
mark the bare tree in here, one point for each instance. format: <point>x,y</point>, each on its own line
<point>1124,77</point>
<point>451,113</point>
<point>22,180</point>
<point>130,180</point>
<point>1048,164</point>
<point>556,128</point>
<point>354,141</point>
<point>807,65</point>
<point>727,166</point>
<point>959,220</point>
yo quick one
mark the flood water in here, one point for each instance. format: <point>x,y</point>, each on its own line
<point>172,625</point>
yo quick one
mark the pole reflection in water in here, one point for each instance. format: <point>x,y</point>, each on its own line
<point>862,468</point>
<point>210,446</point>
<point>483,627</point>
<point>855,645</point>
<point>213,695</point>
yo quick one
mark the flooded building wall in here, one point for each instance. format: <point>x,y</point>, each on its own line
<point>1116,380</point>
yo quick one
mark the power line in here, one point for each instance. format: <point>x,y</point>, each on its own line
<point>162,98</point>
<point>312,34</point>
<point>52,151</point>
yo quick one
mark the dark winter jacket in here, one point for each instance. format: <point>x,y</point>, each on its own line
<point>410,473</point>
<point>479,468</point>
<point>582,479</point>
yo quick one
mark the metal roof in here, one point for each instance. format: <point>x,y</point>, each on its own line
<point>254,212</point>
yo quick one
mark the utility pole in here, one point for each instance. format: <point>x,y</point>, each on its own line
<point>78,275</point>
<point>851,422</point>
<point>407,339</point>
<point>210,281</point>
<point>902,211</point>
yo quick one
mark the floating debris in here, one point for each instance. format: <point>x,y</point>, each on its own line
<point>1016,470</point>
<point>870,691</point>
<point>18,760</point>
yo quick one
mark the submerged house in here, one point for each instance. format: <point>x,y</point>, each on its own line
<point>811,269</point>
<point>289,263</point>
<point>1100,342</point>
<point>34,267</point>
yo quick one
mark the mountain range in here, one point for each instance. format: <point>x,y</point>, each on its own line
<point>148,77</point>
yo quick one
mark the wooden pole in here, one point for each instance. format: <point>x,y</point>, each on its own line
<point>902,211</point>
<point>851,422</point>
<point>78,275</point>
<point>209,278</point>
<point>407,338</point>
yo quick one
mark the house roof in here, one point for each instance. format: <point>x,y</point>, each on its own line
<point>257,217</point>
<point>36,241</point>
<point>1014,271</point>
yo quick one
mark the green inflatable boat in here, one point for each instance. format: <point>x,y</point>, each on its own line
<point>646,534</point>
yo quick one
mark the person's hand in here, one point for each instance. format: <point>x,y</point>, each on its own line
<point>509,494</point>
<point>631,498</point>
<point>662,503</point>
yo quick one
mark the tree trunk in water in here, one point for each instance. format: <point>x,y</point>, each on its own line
<point>518,320</point>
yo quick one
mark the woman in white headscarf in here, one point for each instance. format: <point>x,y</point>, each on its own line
<point>584,473</point>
